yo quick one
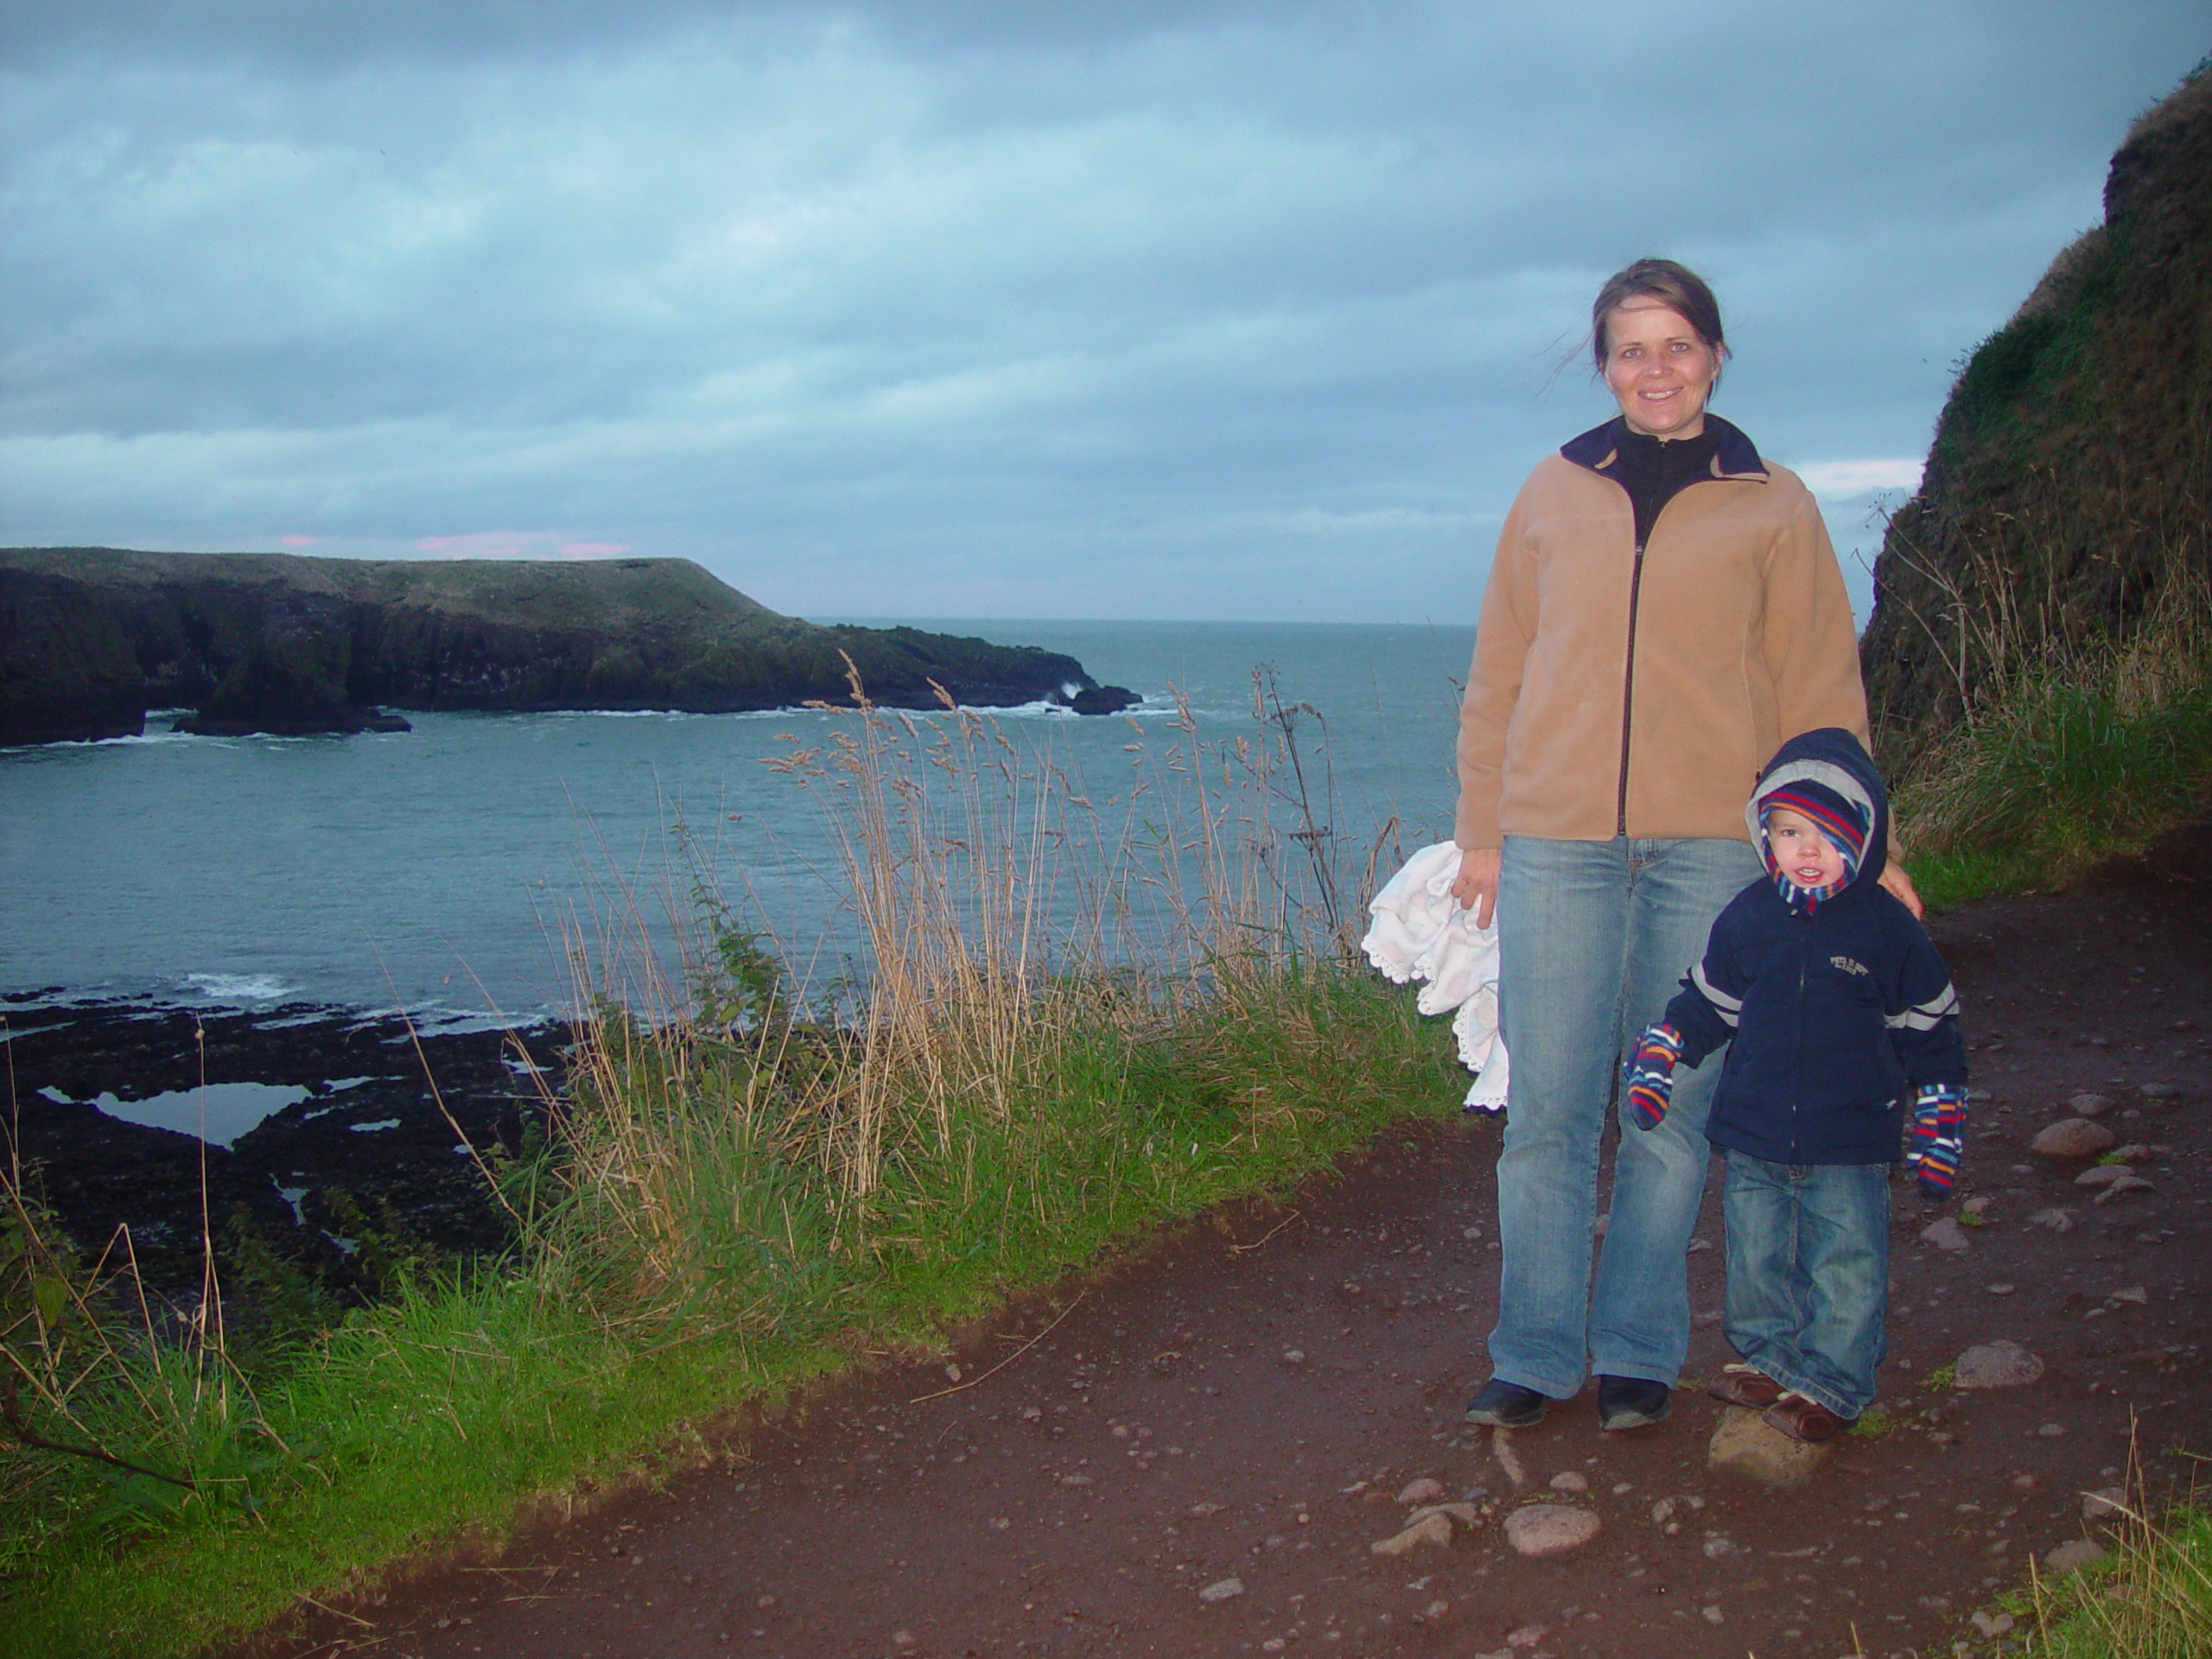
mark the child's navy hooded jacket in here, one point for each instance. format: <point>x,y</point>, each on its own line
<point>1838,1010</point>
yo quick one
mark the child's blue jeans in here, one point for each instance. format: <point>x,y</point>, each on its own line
<point>1809,1275</point>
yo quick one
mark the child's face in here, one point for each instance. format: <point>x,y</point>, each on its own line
<point>1802,852</point>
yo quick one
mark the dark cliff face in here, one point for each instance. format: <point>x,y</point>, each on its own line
<point>92,637</point>
<point>67,667</point>
<point>2066,493</point>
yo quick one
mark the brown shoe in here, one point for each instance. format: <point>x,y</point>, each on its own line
<point>1802,1419</point>
<point>1747,1386</point>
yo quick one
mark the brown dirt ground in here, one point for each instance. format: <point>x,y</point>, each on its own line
<point>1246,1398</point>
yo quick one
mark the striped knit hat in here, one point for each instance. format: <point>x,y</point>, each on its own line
<point>1827,810</point>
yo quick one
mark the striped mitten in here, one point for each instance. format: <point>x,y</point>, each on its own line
<point>1937,1139</point>
<point>1649,1074</point>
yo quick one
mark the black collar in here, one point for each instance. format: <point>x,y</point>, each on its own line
<point>1736,457</point>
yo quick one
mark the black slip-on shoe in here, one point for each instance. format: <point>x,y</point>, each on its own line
<point>1500,1404</point>
<point>1632,1403</point>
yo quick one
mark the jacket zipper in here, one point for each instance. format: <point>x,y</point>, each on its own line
<point>1628,687</point>
<point>1797,1023</point>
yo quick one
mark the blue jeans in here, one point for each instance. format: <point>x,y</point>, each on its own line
<point>1594,937</point>
<point>1809,1275</point>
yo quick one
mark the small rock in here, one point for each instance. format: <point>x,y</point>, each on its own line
<point>1977,1205</point>
<point>1202,1511</point>
<point>2136,1153</point>
<point>1434,1527</point>
<point>2136,1293</point>
<point>1663,1511</point>
<point>2072,1556</point>
<point>1744,1446</point>
<point>2071,1138</point>
<point>1718,1549</point>
<point>2102,1175</point>
<point>2123,1187</point>
<point>2001,1290</point>
<point>2002,1364</point>
<point>1423,1490</point>
<point>1293,1357</point>
<point>2089,1105</point>
<point>1528,1636</point>
<point>1991,1625</point>
<point>2106,1503</point>
<point>1567,1481</point>
<point>2022,1483</point>
<point>902,1638</point>
<point>1465,1514</point>
<point>1436,1610</point>
<point>2159,1091</point>
<point>2056,1219</point>
<point>1945,1234</point>
<point>1221,1590</point>
<point>1549,1528</point>
<point>2052,1431</point>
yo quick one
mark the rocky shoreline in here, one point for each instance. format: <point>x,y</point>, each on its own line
<point>374,1119</point>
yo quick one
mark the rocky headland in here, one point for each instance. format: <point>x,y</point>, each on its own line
<point>2067,500</point>
<point>90,639</point>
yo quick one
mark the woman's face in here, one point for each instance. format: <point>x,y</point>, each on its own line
<point>1658,368</point>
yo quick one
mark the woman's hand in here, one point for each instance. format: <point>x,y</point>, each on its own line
<point>1477,887</point>
<point>1893,878</point>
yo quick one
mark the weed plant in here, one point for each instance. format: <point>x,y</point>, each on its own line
<point>1069,1023</point>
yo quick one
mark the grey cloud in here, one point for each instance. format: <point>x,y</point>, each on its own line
<point>1222,306</point>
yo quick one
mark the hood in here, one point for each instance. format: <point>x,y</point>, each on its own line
<point>1836,761</point>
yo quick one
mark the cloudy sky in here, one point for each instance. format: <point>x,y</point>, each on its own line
<point>1153,309</point>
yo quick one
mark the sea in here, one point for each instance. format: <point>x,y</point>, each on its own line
<point>480,868</point>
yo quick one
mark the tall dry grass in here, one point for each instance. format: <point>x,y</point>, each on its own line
<point>2067,750</point>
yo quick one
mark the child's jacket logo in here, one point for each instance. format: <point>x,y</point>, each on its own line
<point>1846,965</point>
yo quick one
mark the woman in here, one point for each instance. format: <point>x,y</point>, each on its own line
<point>1664,609</point>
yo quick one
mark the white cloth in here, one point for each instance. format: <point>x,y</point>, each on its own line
<point>1418,932</point>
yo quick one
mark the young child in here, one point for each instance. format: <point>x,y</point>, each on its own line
<point>1837,1011</point>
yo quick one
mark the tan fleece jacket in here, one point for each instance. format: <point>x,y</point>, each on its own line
<point>1742,635</point>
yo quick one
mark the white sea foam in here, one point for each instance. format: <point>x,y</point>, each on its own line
<point>619,713</point>
<point>238,987</point>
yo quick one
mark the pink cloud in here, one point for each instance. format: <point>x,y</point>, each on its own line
<point>594,550</point>
<point>298,541</point>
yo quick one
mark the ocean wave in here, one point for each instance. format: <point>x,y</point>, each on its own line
<point>238,987</point>
<point>619,714</point>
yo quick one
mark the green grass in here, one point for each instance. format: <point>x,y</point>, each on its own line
<point>591,1358</point>
<point>2152,1599</point>
<point>2065,763</point>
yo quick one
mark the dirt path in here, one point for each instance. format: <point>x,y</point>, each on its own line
<point>1244,1404</point>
